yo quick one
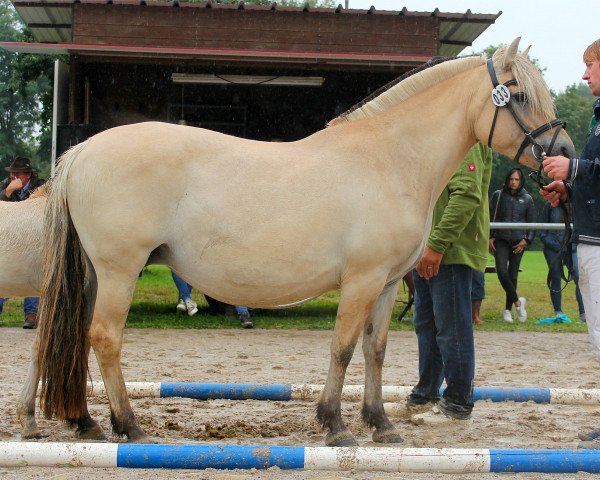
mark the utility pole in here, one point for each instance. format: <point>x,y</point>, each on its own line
<point>347,2</point>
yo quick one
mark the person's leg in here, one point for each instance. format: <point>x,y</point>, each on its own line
<point>450,292</point>
<point>431,374</point>
<point>184,288</point>
<point>503,250</point>
<point>554,273</point>
<point>244,316</point>
<point>477,295</point>
<point>589,283</point>
<point>186,304</point>
<point>30,308</point>
<point>1,304</point>
<point>577,290</point>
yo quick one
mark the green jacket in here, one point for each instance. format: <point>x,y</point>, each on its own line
<point>461,218</point>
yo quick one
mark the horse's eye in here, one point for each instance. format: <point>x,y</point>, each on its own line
<point>520,97</point>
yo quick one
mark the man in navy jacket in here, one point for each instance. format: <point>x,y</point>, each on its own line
<point>581,187</point>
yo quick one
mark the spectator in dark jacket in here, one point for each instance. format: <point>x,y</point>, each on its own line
<point>553,249</point>
<point>511,204</point>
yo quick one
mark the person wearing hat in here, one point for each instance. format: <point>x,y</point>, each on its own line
<point>22,181</point>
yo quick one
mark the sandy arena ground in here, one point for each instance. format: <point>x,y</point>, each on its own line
<point>516,359</point>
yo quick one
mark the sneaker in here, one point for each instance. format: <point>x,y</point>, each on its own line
<point>246,320</point>
<point>30,321</point>
<point>507,316</point>
<point>589,435</point>
<point>521,312</point>
<point>589,445</point>
<point>191,307</point>
<point>436,417</point>
<point>181,306</point>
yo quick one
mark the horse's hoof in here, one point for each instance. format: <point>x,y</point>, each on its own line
<point>32,435</point>
<point>387,436</point>
<point>94,433</point>
<point>142,439</point>
<point>340,439</point>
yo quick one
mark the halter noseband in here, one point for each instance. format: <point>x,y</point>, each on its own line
<point>501,97</point>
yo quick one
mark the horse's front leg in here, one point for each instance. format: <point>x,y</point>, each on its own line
<point>374,343</point>
<point>357,297</point>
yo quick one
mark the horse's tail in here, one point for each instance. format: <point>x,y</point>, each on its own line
<point>66,305</point>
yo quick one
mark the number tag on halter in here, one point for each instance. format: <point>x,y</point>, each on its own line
<point>500,95</point>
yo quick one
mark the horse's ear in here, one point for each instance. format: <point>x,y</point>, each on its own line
<point>511,52</point>
<point>526,52</point>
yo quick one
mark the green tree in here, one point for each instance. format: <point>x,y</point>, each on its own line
<point>574,106</point>
<point>25,95</point>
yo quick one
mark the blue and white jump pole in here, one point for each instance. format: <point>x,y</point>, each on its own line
<point>283,392</point>
<point>385,459</point>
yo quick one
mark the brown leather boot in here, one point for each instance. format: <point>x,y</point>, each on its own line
<point>476,306</point>
<point>30,321</point>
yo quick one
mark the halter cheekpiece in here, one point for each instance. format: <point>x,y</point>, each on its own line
<point>501,97</point>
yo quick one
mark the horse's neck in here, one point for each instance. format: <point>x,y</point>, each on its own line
<point>434,130</point>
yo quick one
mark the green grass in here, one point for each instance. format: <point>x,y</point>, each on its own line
<point>155,298</point>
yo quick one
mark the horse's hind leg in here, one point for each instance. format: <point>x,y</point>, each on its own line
<point>115,291</point>
<point>26,402</point>
<point>87,428</point>
<point>356,299</point>
<point>374,344</point>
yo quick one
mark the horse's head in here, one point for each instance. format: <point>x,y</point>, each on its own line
<point>517,118</point>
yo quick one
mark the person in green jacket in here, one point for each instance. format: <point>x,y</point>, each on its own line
<point>457,246</point>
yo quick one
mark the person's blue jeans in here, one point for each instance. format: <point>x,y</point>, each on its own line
<point>241,310</point>
<point>184,288</point>
<point>443,324</point>
<point>30,304</point>
<point>477,286</point>
<point>555,269</point>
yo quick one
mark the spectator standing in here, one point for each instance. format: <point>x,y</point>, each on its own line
<point>457,246</point>
<point>22,181</point>
<point>582,189</point>
<point>553,251</point>
<point>511,204</point>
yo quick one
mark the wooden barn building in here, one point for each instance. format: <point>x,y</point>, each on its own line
<point>267,73</point>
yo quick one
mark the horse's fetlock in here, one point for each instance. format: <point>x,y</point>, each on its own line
<point>374,415</point>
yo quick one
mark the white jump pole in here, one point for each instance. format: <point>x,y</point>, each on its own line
<point>385,459</point>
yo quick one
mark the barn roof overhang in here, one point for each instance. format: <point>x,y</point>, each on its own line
<point>50,21</point>
<point>216,56</point>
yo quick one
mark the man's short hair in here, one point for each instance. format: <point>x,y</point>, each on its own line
<point>592,53</point>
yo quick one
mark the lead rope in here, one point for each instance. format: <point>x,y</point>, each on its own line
<point>565,254</point>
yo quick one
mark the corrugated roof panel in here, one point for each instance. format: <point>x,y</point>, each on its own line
<point>50,20</point>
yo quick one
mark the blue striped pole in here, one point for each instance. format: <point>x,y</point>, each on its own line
<point>283,392</point>
<point>386,459</point>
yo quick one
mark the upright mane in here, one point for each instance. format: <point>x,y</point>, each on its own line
<point>407,85</point>
<point>524,71</point>
<point>530,82</point>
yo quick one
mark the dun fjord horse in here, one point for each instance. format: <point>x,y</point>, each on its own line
<point>269,224</point>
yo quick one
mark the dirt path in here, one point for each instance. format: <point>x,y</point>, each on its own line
<point>516,359</point>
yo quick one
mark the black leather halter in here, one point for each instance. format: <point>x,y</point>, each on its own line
<point>502,97</point>
<point>530,135</point>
